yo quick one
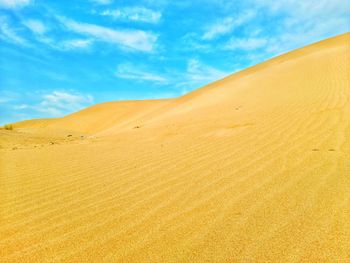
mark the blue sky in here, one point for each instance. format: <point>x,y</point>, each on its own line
<point>57,57</point>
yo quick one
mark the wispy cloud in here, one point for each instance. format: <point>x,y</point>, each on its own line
<point>246,43</point>
<point>9,34</point>
<point>102,2</point>
<point>196,75</point>
<point>191,41</point>
<point>13,4</point>
<point>20,107</point>
<point>40,29</point>
<point>199,72</point>
<point>74,44</point>
<point>36,26</point>
<point>58,103</point>
<point>129,71</point>
<point>226,25</point>
<point>302,23</point>
<point>306,9</point>
<point>133,39</point>
<point>137,14</point>
<point>8,96</point>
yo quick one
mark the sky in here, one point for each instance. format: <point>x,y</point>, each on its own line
<point>57,57</point>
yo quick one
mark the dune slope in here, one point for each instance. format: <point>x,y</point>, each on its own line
<point>251,168</point>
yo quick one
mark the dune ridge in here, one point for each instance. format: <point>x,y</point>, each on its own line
<point>251,168</point>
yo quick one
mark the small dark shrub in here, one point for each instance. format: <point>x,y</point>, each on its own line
<point>8,127</point>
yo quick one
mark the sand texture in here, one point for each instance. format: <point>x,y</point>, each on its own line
<point>251,168</point>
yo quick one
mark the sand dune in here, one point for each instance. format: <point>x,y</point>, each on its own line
<point>251,168</point>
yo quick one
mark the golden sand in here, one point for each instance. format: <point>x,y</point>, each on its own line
<point>251,168</point>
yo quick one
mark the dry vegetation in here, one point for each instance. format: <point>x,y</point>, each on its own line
<point>8,127</point>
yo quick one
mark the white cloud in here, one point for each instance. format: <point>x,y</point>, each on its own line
<point>20,107</point>
<point>102,2</point>
<point>306,9</point>
<point>75,44</point>
<point>191,41</point>
<point>9,34</point>
<point>140,14</point>
<point>219,28</point>
<point>198,72</point>
<point>246,43</point>
<point>227,25</point>
<point>12,4</point>
<point>289,25</point>
<point>300,36</point>
<point>51,111</point>
<point>134,39</point>
<point>7,96</point>
<point>129,71</point>
<point>59,103</point>
<point>39,29</point>
<point>307,22</point>
<point>35,26</point>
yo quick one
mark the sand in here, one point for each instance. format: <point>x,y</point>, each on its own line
<point>251,168</point>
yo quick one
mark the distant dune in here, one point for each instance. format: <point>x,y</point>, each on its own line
<point>251,168</point>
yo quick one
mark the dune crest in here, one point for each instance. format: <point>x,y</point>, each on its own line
<point>251,168</point>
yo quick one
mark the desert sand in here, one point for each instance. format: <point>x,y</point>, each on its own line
<point>251,168</point>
